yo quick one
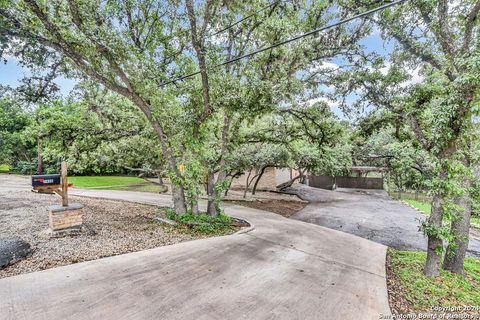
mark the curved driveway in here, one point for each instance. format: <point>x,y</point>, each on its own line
<point>283,269</point>
<point>371,214</point>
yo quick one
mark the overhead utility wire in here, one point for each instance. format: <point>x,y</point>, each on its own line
<point>245,18</point>
<point>281,43</point>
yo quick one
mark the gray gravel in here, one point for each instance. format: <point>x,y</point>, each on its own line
<point>111,228</point>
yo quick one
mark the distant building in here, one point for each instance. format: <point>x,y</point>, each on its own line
<point>360,180</point>
<point>271,178</point>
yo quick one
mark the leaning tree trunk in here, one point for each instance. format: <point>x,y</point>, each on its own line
<point>228,187</point>
<point>460,227</point>
<point>258,180</point>
<point>434,254</point>
<point>247,184</point>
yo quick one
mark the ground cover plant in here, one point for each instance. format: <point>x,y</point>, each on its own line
<point>411,291</point>
<point>203,223</point>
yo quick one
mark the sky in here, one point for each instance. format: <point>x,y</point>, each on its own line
<point>11,72</point>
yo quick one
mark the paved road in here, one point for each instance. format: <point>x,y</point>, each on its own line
<point>283,269</point>
<point>370,214</point>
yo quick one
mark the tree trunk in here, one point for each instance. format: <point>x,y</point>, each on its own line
<point>178,195</point>
<point>258,179</point>
<point>454,261</point>
<point>287,184</point>
<point>214,195</point>
<point>434,259</point>
<point>198,43</point>
<point>228,188</point>
<point>460,227</point>
<point>211,194</point>
<point>194,204</point>
<point>302,177</point>
<point>247,184</point>
<point>39,156</point>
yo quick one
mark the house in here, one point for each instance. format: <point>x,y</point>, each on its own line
<point>269,180</point>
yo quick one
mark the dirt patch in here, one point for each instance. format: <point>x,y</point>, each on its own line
<point>282,207</point>
<point>110,228</point>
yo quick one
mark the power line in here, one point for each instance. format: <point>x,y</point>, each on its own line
<point>246,18</point>
<point>281,43</point>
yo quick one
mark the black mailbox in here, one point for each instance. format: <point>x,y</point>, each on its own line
<point>46,180</point>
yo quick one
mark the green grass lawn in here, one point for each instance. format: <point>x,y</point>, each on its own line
<point>144,187</point>
<point>115,183</point>
<point>426,207</point>
<point>4,168</point>
<point>421,292</point>
<point>103,181</point>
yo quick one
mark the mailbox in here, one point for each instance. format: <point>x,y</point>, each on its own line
<point>46,183</point>
<point>46,180</point>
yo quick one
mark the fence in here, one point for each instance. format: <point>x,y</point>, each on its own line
<point>327,182</point>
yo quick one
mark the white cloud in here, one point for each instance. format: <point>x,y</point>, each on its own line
<point>7,54</point>
<point>384,70</point>
<point>324,66</point>
<point>9,57</point>
<point>329,102</point>
<point>415,76</point>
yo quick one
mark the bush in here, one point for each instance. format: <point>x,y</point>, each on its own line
<point>202,223</point>
<point>25,167</point>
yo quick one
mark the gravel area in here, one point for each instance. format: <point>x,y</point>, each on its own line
<point>110,228</point>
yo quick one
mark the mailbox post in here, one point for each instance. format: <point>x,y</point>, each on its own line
<point>66,218</point>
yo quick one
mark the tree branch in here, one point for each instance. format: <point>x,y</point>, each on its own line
<point>470,23</point>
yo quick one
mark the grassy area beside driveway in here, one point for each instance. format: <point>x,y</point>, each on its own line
<point>426,208</point>
<point>102,181</point>
<point>410,291</point>
<point>4,168</point>
<point>115,183</point>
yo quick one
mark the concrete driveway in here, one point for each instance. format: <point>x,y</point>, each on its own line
<point>370,214</point>
<point>283,269</point>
